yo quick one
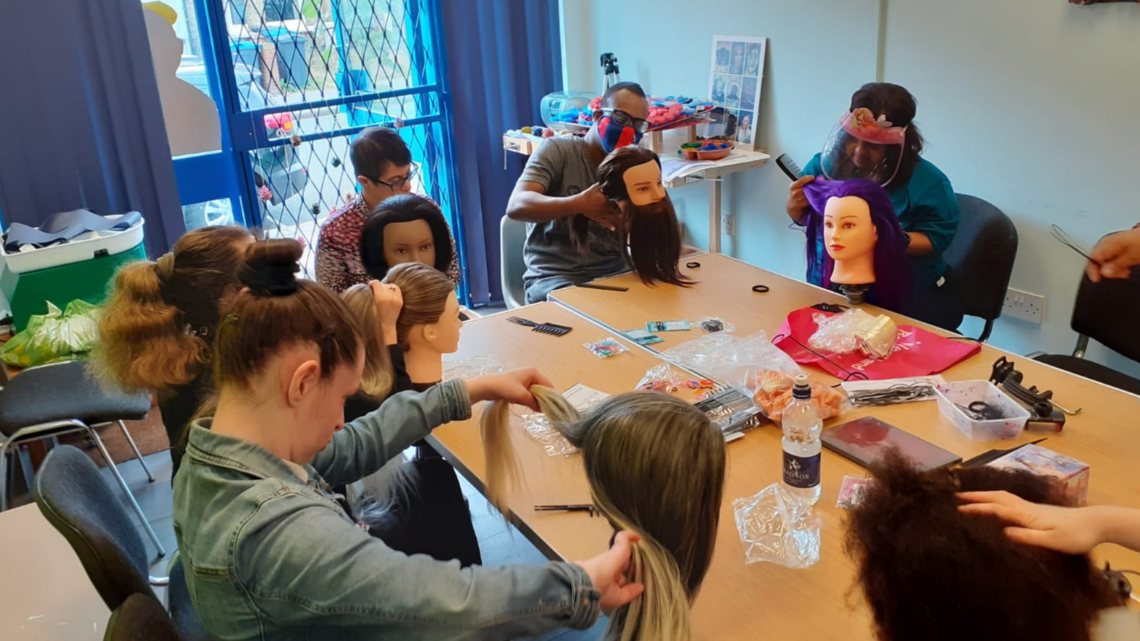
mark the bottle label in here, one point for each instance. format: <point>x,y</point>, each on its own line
<point>801,472</point>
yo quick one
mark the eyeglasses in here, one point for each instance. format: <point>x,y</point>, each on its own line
<point>622,118</point>
<point>399,183</point>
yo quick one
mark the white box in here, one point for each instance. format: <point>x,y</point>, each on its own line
<point>951,395</point>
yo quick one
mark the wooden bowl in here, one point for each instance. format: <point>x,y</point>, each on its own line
<point>713,154</point>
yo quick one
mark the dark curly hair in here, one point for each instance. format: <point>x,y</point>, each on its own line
<point>930,572</point>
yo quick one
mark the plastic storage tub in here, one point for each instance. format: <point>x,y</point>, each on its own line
<point>951,395</point>
<point>83,247</point>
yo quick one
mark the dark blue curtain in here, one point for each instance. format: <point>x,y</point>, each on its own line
<point>503,56</point>
<point>82,119</point>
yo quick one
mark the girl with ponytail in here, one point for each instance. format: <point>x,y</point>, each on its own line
<point>656,466</point>
<point>159,320</point>
<point>270,552</point>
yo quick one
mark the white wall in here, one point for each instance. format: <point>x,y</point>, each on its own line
<point>1033,105</point>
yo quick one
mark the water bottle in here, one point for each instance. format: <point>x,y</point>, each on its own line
<point>802,426</point>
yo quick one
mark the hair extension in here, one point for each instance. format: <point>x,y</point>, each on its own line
<point>893,273</point>
<point>402,209</point>
<point>159,319</point>
<point>277,310</point>
<point>379,376</point>
<point>629,443</point>
<point>930,572</point>
<point>425,290</point>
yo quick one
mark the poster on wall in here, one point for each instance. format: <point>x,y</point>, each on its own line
<point>734,87</point>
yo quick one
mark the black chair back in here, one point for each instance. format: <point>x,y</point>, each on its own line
<point>140,618</point>
<point>75,498</point>
<point>982,256</point>
<point>1109,311</point>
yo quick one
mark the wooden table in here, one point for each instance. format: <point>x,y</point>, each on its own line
<point>740,601</point>
<point>45,594</point>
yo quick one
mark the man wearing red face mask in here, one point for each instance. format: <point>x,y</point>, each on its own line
<point>560,181</point>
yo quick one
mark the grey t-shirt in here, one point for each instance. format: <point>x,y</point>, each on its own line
<point>563,167</point>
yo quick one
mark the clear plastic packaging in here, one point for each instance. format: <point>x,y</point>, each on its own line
<point>660,378</point>
<point>776,528</point>
<point>605,347</point>
<point>468,368</point>
<point>757,368</point>
<point>538,426</point>
<point>854,330</point>
<point>714,324</point>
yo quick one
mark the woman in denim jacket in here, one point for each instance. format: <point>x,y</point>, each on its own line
<point>270,552</point>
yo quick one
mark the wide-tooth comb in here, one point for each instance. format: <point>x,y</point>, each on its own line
<point>541,328</point>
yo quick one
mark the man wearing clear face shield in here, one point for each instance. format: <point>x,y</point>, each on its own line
<point>877,140</point>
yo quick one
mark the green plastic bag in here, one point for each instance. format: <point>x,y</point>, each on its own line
<point>55,336</point>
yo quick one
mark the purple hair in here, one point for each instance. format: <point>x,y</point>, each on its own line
<point>894,276</point>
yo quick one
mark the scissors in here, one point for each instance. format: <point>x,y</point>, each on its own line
<point>761,289</point>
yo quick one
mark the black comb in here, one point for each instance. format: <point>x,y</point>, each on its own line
<point>541,328</point>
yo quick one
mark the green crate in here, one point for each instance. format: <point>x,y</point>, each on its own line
<point>86,279</point>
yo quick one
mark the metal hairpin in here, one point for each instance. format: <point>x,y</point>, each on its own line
<point>1067,241</point>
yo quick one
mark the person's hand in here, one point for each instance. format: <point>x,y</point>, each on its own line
<point>1117,254</point>
<point>513,387</point>
<point>797,201</point>
<point>594,205</point>
<point>1063,529</point>
<point>607,572</point>
<point>389,301</point>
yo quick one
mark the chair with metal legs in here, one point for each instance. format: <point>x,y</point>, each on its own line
<point>52,400</point>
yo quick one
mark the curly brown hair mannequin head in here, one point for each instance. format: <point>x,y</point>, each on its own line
<point>649,225</point>
<point>933,573</point>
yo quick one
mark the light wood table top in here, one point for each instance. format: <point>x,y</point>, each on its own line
<point>741,601</point>
<point>45,594</point>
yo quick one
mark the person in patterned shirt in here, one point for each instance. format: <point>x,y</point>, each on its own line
<point>383,166</point>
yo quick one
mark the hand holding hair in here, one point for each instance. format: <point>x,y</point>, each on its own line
<point>1062,529</point>
<point>597,207</point>
<point>1117,254</point>
<point>512,387</point>
<point>609,572</point>
<point>389,301</point>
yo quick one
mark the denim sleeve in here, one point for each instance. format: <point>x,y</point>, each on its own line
<point>936,214</point>
<point>305,566</point>
<point>364,445</point>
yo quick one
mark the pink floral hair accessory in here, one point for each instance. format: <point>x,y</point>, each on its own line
<point>862,124</point>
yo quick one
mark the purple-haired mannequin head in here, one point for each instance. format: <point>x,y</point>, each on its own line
<point>893,276</point>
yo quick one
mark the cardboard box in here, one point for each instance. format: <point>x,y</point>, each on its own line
<point>1072,474</point>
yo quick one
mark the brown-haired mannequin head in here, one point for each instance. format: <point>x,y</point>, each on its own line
<point>428,325</point>
<point>631,177</point>
<point>932,572</point>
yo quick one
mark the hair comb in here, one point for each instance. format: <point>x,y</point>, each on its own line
<point>541,328</point>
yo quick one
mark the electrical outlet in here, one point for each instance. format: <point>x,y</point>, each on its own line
<point>1024,305</point>
<point>728,224</point>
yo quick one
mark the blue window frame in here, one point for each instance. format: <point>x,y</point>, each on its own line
<point>294,91</point>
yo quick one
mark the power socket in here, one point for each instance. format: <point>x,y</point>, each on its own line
<point>728,225</point>
<point>1024,305</point>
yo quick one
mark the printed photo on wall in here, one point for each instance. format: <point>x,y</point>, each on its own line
<point>735,81</point>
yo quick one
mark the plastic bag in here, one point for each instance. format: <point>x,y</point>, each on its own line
<point>605,347</point>
<point>538,426</point>
<point>777,528</point>
<point>660,378</point>
<point>55,336</point>
<point>757,368</point>
<point>468,368</point>
<point>855,330</point>
<point>714,324</point>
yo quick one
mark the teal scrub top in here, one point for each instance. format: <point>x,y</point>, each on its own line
<point>927,204</point>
